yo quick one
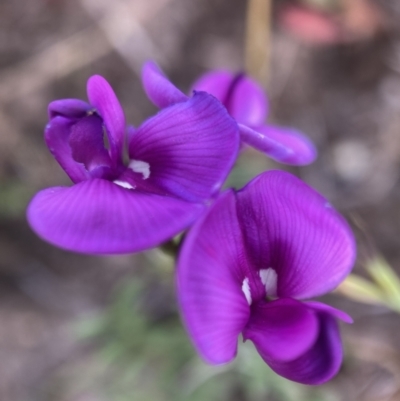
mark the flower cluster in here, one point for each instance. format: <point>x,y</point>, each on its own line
<point>178,161</point>
<point>249,256</point>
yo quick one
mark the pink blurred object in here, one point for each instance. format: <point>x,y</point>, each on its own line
<point>310,26</point>
<point>355,20</point>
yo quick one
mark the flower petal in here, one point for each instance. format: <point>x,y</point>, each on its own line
<point>209,282</point>
<point>244,99</point>
<point>321,362</point>
<point>100,217</point>
<point>57,135</point>
<point>103,98</point>
<point>247,102</point>
<point>336,313</point>
<point>284,145</point>
<point>86,141</point>
<point>69,108</point>
<point>293,230</point>
<point>188,148</point>
<point>215,82</point>
<point>159,88</point>
<point>282,330</point>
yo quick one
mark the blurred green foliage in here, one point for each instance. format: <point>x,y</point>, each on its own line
<point>247,166</point>
<point>14,197</point>
<point>383,287</point>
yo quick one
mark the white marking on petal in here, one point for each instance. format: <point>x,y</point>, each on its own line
<point>246,290</point>
<point>269,278</point>
<point>140,167</point>
<point>123,184</point>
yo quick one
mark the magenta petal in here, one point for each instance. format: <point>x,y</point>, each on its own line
<point>321,362</point>
<point>158,87</point>
<point>57,135</point>
<point>243,97</point>
<point>215,82</point>
<point>188,148</point>
<point>333,312</point>
<point>86,141</point>
<point>293,230</point>
<point>100,217</point>
<point>281,144</point>
<point>103,98</point>
<point>247,102</point>
<point>282,330</point>
<point>209,280</point>
<point>69,108</point>
<point>302,148</point>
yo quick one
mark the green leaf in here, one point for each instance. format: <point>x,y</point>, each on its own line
<point>361,290</point>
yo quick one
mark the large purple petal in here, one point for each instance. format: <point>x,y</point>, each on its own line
<point>210,276</point>
<point>284,145</point>
<point>100,217</point>
<point>292,230</point>
<point>282,330</point>
<point>321,362</point>
<point>159,88</point>
<point>242,96</point>
<point>69,108</point>
<point>57,135</point>
<point>187,149</point>
<point>103,98</point>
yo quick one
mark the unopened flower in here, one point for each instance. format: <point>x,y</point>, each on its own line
<point>246,102</point>
<point>247,263</point>
<point>178,160</point>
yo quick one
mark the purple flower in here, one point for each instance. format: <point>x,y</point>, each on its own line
<point>246,263</point>
<point>178,160</point>
<point>246,102</point>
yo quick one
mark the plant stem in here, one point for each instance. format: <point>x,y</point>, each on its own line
<point>258,39</point>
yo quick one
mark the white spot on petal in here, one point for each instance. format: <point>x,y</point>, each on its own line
<point>123,184</point>
<point>246,290</point>
<point>140,167</point>
<point>269,278</point>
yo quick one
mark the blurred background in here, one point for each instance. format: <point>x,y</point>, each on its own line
<point>80,328</point>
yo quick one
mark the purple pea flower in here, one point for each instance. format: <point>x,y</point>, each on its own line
<point>178,160</point>
<point>247,104</point>
<point>247,263</point>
